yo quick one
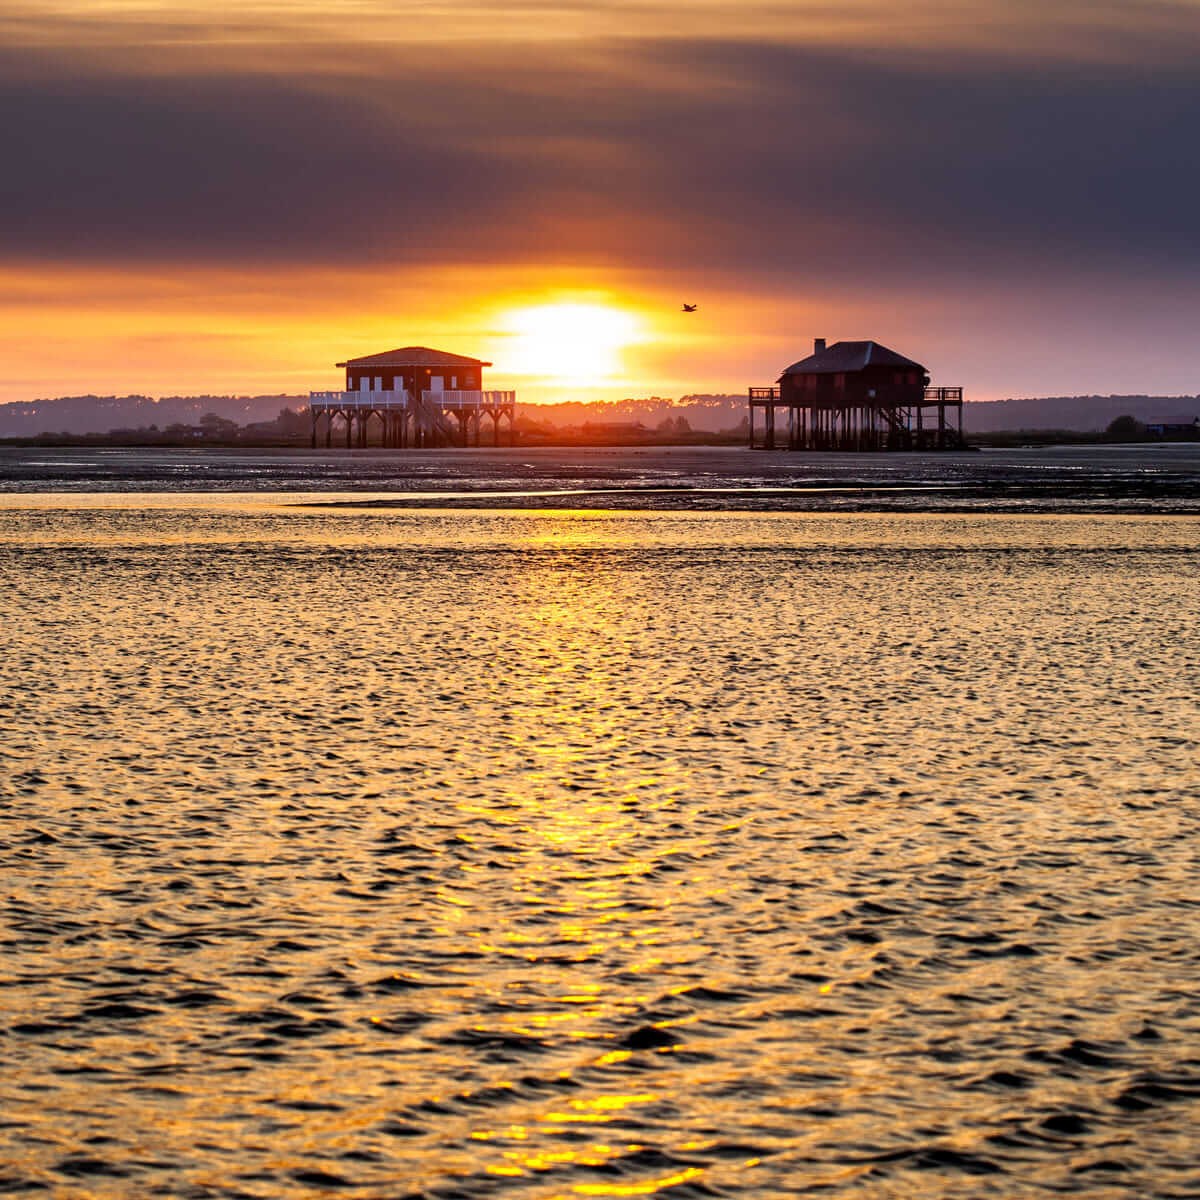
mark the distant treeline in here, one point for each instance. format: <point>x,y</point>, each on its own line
<point>696,414</point>
<point>1078,414</point>
<point>282,419</point>
<point>172,418</point>
<point>104,414</point>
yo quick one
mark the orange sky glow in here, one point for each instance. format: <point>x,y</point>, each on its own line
<point>216,203</point>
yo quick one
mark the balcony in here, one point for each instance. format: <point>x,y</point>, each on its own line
<point>355,401</point>
<point>387,401</point>
<point>943,395</point>
<point>468,399</point>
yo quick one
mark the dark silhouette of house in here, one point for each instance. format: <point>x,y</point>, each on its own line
<point>1175,427</point>
<point>857,396</point>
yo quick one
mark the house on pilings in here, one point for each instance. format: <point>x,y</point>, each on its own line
<point>856,396</point>
<point>413,397</point>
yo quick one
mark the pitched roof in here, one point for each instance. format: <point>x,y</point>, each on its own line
<point>414,356</point>
<point>844,357</point>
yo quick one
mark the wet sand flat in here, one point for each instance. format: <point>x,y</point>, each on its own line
<point>1146,478</point>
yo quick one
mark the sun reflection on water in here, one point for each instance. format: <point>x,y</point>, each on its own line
<point>547,858</point>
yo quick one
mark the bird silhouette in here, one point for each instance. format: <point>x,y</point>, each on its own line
<point>690,307</point>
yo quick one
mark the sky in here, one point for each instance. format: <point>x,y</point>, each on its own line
<point>199,199</point>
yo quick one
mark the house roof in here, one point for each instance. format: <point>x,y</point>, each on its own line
<point>414,356</point>
<point>844,357</point>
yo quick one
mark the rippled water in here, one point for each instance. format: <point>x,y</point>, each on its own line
<point>597,854</point>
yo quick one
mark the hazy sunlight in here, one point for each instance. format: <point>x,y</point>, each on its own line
<point>572,343</point>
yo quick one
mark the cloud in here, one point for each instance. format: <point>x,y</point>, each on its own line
<point>835,157</point>
<point>1027,28</point>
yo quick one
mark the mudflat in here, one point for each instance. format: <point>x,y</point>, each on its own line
<point>1143,478</point>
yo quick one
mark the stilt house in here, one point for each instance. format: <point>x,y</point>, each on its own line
<point>856,396</point>
<point>417,397</point>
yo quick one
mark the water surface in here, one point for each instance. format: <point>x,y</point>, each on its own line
<point>554,854</point>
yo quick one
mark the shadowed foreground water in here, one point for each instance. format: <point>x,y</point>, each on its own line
<point>538,854</point>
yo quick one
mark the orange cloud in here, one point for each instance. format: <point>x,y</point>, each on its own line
<point>198,199</point>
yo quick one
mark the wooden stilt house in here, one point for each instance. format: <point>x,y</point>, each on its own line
<point>416,397</point>
<point>855,396</point>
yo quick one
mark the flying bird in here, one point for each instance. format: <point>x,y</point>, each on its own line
<point>690,307</point>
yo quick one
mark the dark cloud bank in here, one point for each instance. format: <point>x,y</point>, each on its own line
<point>773,160</point>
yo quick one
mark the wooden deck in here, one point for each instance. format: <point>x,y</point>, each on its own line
<point>928,425</point>
<point>411,420</point>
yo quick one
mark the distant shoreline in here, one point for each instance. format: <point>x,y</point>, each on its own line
<point>279,420</point>
<point>1033,438</point>
<point>1083,479</point>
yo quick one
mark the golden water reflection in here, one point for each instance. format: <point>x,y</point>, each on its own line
<point>476,851</point>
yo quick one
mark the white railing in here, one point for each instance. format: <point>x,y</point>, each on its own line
<point>381,399</point>
<point>461,399</point>
<point>324,401</point>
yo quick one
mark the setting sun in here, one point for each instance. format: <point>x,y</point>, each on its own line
<point>569,343</point>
